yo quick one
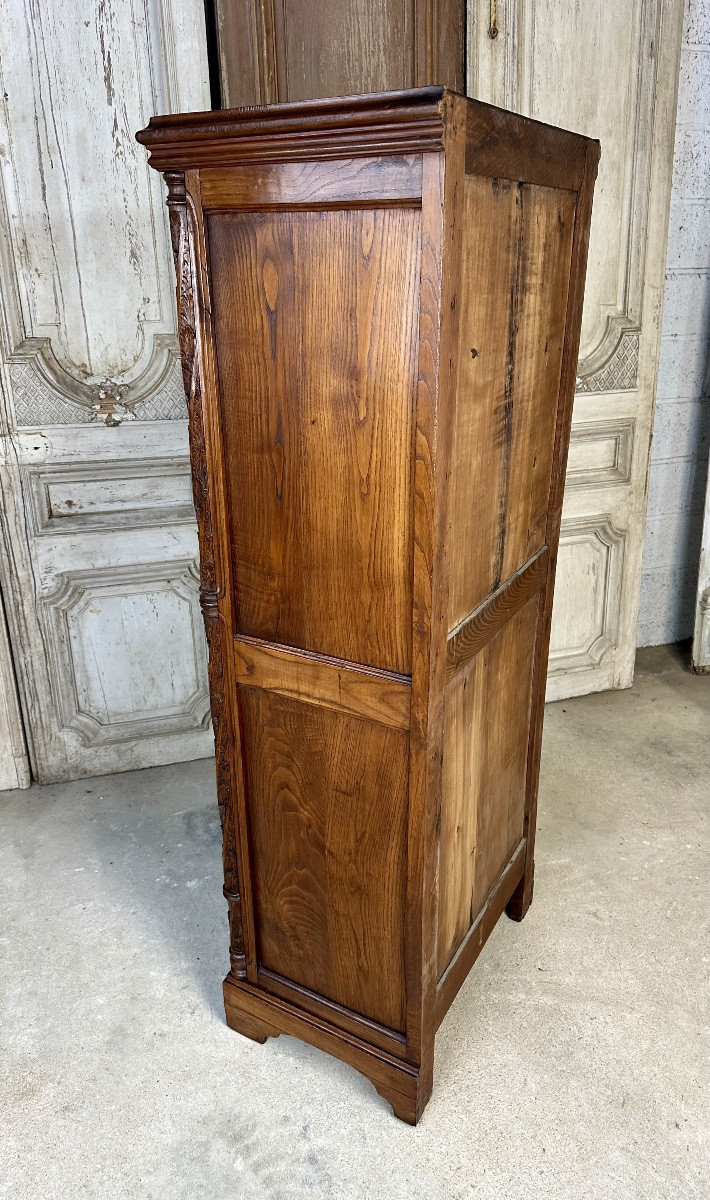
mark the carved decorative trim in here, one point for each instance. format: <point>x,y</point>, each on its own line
<point>44,393</point>
<point>181,234</point>
<point>607,544</point>
<point>620,371</point>
<point>624,317</point>
<point>51,279</point>
<point>63,610</point>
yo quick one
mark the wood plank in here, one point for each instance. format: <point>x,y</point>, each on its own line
<point>315,316</point>
<point>376,695</point>
<point>438,319</point>
<point>503,145</point>
<point>327,805</point>
<point>478,934</point>
<point>513,297</point>
<point>487,722</point>
<point>484,622</point>
<point>348,181</point>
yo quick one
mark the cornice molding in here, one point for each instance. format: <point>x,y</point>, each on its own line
<point>382,123</point>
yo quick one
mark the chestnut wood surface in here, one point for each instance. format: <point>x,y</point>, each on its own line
<point>363,692</point>
<point>315,322</point>
<point>380,301</point>
<point>485,765</point>
<point>327,808</point>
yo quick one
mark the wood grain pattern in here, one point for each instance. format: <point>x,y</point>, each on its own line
<point>484,622</point>
<point>327,802</point>
<point>344,181</point>
<point>514,296</point>
<point>531,152</point>
<point>375,695</point>
<point>428,611</point>
<point>485,772</point>
<point>316,345</point>
<point>308,48</point>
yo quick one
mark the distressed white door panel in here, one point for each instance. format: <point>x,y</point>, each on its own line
<point>585,619</point>
<point>98,541</point>
<point>72,498</point>
<point>601,452</point>
<point>117,640</point>
<point>609,71</point>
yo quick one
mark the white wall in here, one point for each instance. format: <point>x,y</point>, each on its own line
<point>682,424</point>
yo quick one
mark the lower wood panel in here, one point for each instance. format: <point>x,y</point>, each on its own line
<point>487,724</point>
<point>327,812</point>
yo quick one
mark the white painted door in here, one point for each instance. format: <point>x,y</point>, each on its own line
<point>608,70</point>
<point>97,534</point>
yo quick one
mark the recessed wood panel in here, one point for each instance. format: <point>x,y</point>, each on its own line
<point>487,723</point>
<point>327,808</point>
<point>315,316</point>
<point>514,285</point>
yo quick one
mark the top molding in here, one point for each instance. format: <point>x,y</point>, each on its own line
<point>499,144</point>
<point>381,123</point>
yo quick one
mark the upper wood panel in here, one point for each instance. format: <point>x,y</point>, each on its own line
<point>315,317</point>
<point>515,269</point>
<point>327,808</point>
<point>301,49</point>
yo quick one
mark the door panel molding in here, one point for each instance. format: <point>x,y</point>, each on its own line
<point>593,629</point>
<point>118,674</point>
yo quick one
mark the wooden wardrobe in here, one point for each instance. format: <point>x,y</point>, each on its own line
<point>379,307</point>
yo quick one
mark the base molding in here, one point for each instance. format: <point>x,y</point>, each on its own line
<point>405,1086</point>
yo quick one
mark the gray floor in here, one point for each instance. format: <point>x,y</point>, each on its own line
<point>574,1063</point>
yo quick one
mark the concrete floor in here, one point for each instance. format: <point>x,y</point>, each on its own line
<point>574,1062</point>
